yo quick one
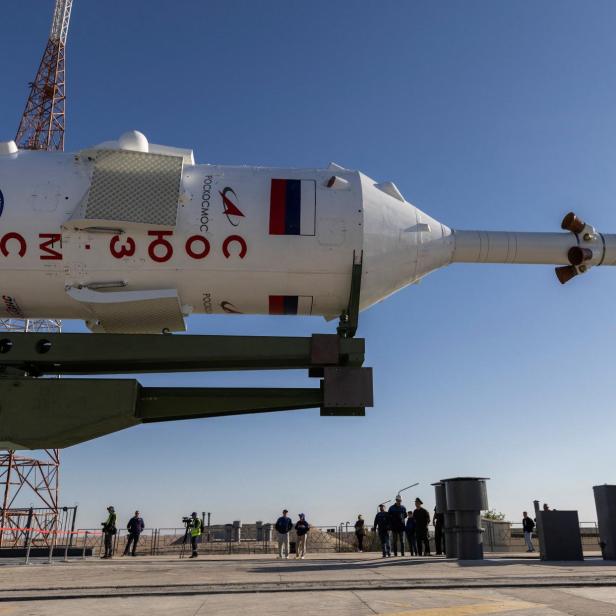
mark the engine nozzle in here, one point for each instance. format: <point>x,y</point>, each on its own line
<point>565,273</point>
<point>577,255</point>
<point>572,223</point>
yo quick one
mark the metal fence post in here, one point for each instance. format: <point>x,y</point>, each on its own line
<point>66,546</point>
<point>85,544</point>
<point>51,546</point>
<point>28,546</point>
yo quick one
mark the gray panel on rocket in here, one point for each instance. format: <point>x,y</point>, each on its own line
<point>133,187</point>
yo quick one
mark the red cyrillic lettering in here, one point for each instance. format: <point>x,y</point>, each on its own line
<point>235,239</point>
<point>50,254</point>
<point>160,242</point>
<point>7,237</point>
<point>190,251</point>
<point>126,250</point>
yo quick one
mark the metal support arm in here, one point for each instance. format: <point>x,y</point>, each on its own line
<point>37,413</point>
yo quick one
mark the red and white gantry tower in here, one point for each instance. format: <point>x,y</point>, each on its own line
<point>30,486</point>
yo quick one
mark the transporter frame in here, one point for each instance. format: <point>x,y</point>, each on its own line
<point>38,412</point>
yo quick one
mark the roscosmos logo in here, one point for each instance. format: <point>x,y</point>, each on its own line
<point>230,200</point>
<point>1,202</point>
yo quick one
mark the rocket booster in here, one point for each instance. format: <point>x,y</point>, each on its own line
<point>133,237</point>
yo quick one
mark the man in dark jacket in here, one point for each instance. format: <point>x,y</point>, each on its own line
<point>422,519</point>
<point>283,526</point>
<point>382,526</point>
<point>301,530</point>
<point>397,519</point>
<point>528,524</point>
<point>439,534</point>
<point>411,537</point>
<point>360,533</point>
<point>135,527</point>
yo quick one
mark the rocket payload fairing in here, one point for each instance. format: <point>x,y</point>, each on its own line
<point>133,237</point>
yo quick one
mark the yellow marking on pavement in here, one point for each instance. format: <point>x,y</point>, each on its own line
<point>468,610</point>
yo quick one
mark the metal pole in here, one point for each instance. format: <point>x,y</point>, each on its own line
<point>28,546</point>
<point>408,487</point>
<point>66,547</point>
<point>85,543</point>
<point>73,524</point>
<point>29,525</point>
<point>52,542</point>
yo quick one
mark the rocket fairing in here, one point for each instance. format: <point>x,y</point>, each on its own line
<point>133,237</point>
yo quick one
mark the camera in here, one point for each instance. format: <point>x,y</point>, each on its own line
<point>187,521</point>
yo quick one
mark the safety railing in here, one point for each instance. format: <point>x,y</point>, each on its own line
<point>341,538</point>
<point>53,547</point>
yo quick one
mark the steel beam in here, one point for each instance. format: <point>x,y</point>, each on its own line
<point>45,413</point>
<point>39,354</point>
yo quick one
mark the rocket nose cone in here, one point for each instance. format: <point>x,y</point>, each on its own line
<point>401,243</point>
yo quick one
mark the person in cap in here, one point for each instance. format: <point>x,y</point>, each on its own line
<point>301,529</point>
<point>422,519</point>
<point>109,530</point>
<point>382,527</point>
<point>397,519</point>
<point>283,526</point>
<point>360,533</point>
<point>134,527</point>
<point>409,530</point>
<point>196,528</point>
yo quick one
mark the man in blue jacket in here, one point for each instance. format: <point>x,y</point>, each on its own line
<point>283,526</point>
<point>397,519</point>
<point>382,526</point>
<point>135,527</point>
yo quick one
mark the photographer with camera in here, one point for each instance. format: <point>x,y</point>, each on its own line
<point>195,528</point>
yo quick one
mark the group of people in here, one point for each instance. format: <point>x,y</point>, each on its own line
<point>394,524</point>
<point>284,525</point>
<point>134,527</point>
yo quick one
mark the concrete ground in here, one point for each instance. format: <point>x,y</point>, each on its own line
<point>336,584</point>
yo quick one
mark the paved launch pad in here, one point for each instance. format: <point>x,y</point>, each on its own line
<point>322,584</point>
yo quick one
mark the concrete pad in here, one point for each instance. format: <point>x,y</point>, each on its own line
<point>325,584</point>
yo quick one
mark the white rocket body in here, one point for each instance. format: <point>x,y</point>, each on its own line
<point>132,237</point>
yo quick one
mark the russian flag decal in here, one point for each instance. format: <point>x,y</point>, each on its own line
<point>290,304</point>
<point>293,206</point>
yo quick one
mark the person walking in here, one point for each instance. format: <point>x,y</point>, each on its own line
<point>283,526</point>
<point>409,530</point>
<point>422,519</point>
<point>382,527</point>
<point>439,534</point>
<point>109,530</point>
<point>134,527</point>
<point>397,518</point>
<point>196,528</point>
<point>301,529</point>
<point>360,533</point>
<point>528,524</point>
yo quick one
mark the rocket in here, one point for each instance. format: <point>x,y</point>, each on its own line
<point>133,237</point>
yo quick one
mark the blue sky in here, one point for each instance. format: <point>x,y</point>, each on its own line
<point>496,115</point>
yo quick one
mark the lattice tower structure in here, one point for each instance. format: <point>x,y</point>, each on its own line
<point>36,481</point>
<point>42,123</point>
